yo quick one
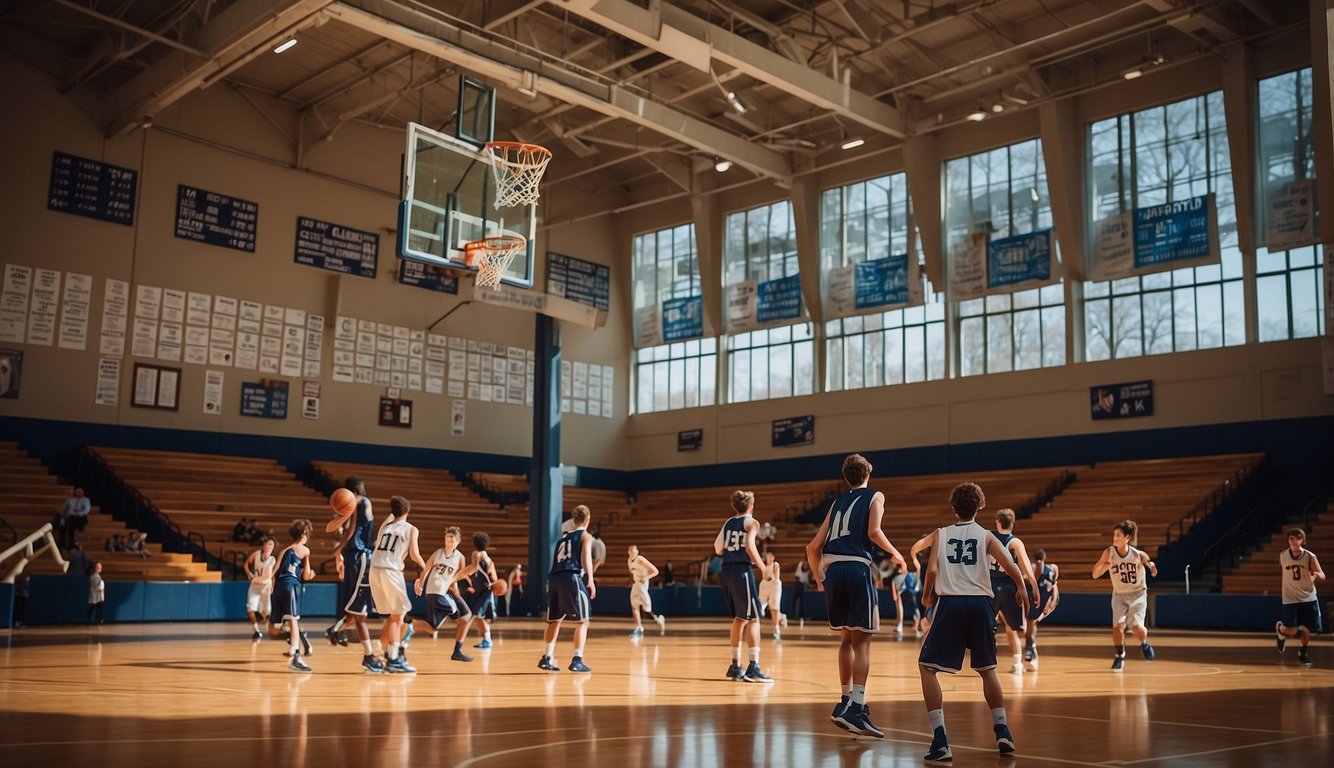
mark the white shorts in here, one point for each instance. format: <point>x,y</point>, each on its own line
<point>389,591</point>
<point>257,599</point>
<point>639,597</point>
<point>1129,608</point>
<point>771,594</point>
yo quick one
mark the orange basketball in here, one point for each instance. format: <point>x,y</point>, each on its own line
<point>343,501</point>
<point>499,587</point>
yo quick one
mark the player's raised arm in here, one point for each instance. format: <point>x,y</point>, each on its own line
<point>1104,563</point>
<point>877,535</point>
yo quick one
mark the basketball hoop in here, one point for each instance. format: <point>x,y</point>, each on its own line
<point>492,256</point>
<point>519,169</point>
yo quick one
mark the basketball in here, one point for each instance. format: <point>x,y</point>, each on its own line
<point>344,502</point>
<point>499,587</point>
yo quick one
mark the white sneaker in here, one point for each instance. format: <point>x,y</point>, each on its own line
<point>662,623</point>
<point>1017,669</point>
<point>898,631</point>
<point>778,635</point>
<point>1032,664</point>
<point>782,621</point>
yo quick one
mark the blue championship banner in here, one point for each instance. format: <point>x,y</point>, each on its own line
<point>90,188</point>
<point>1121,401</point>
<point>1173,235</point>
<point>1020,261</point>
<point>424,276</point>
<point>208,217</point>
<point>335,247</point>
<point>683,318</point>
<point>881,282</point>
<point>797,430</point>
<point>266,398</point>
<point>779,299</point>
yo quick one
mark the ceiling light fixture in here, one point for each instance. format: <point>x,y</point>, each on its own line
<point>721,166</point>
<point>997,107</point>
<point>736,103</point>
<point>978,114</point>
<point>291,41</point>
<point>853,143</point>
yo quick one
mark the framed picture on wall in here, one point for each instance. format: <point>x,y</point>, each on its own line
<point>156,386</point>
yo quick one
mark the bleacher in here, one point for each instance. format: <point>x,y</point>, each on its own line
<point>1076,526</point>
<point>33,496</point>
<point>1260,574</point>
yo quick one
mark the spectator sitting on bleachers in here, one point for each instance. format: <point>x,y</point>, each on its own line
<point>668,574</point>
<point>241,531</point>
<point>73,516</point>
<point>135,544</point>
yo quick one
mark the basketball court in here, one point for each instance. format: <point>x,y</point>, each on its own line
<point>155,694</point>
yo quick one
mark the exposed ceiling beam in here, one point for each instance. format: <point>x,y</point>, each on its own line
<point>115,22</point>
<point>698,43</point>
<point>500,11</point>
<point>470,50</point>
<point>232,38</point>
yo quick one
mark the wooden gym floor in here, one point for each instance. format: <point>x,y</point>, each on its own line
<point>204,694</point>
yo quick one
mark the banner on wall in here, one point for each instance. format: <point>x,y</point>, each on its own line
<point>689,440</point>
<point>213,392</point>
<point>683,318</point>
<point>1290,220</point>
<point>868,287</point>
<point>797,430</point>
<point>648,326</point>
<point>310,400</point>
<point>108,381</point>
<point>1163,237</point>
<point>1020,262</point>
<point>458,422</point>
<point>968,267</point>
<point>752,305</point>
<point>266,398</point>
<point>1121,401</point>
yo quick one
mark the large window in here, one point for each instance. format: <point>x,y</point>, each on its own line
<point>1003,192</point>
<point>1161,155</point>
<point>761,245</point>
<point>869,220</point>
<point>682,374</point>
<point>1289,300</point>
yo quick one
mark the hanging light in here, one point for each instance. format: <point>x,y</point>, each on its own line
<point>722,166</point>
<point>291,41</point>
<point>853,143</point>
<point>978,114</point>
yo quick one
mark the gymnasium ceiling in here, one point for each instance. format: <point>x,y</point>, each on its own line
<point>631,95</point>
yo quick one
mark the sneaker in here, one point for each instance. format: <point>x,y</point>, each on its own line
<point>777,635</point>
<point>1030,651</point>
<point>577,665</point>
<point>940,748</point>
<point>898,631</point>
<point>305,645</point>
<point>849,716</point>
<point>1282,638</point>
<point>859,715</point>
<point>1017,668</point>
<point>834,717</point>
<point>1032,664</point>
<point>1117,663</point>
<point>458,655</point>
<point>399,665</point>
<point>484,644</point>
<point>298,665</point>
<point>332,636</point>
<point>1148,651</point>
<point>637,632</point>
<point>546,664</point>
<point>662,622</point>
<point>256,636</point>
<point>734,672</point>
<point>1304,658</point>
<point>782,621</point>
<point>1004,741</point>
<point>754,675</point>
<point>371,664</point>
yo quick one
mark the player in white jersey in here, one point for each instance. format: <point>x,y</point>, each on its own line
<point>641,572</point>
<point>1301,607</point>
<point>396,541</point>
<point>959,572</point>
<point>444,569</point>
<point>259,568</point>
<point>1130,569</point>
<point>771,592</point>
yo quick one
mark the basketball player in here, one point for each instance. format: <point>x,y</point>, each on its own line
<point>352,559</point>
<point>567,595</point>
<point>1045,601</point>
<point>293,567</point>
<point>444,569</point>
<point>840,557</point>
<point>1006,606</point>
<point>1301,608</point>
<point>259,567</point>
<point>736,544</point>
<point>771,593</point>
<point>396,541</point>
<point>481,600</point>
<point>959,573</point>
<point>641,572</point>
<point>1130,590</point>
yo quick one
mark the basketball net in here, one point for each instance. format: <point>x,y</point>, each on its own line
<point>519,169</point>
<point>492,256</point>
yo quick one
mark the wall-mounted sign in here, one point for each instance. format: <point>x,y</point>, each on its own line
<point>797,430</point>
<point>1121,401</point>
<point>266,398</point>
<point>579,281</point>
<point>209,217</point>
<point>395,413</point>
<point>335,247</point>
<point>689,440</point>
<point>91,188</point>
<point>156,386</point>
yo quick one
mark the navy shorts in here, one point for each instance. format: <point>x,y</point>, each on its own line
<point>962,622</point>
<point>1036,605</point>
<point>442,607</point>
<point>740,591</point>
<point>851,596</point>
<point>567,597</point>
<point>909,600</point>
<point>356,589</point>
<point>482,603</point>
<point>286,601</point>
<point>1303,615</point>
<point>1009,607</point>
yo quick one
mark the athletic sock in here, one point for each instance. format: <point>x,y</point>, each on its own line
<point>998,716</point>
<point>392,653</point>
<point>736,655</point>
<point>368,647</point>
<point>755,655</point>
<point>458,647</point>
<point>1120,650</point>
<point>551,649</point>
<point>255,625</point>
<point>847,690</point>
<point>487,636</point>
<point>937,718</point>
<point>578,653</point>
<point>858,694</point>
<point>1018,657</point>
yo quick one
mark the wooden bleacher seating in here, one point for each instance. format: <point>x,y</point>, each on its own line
<point>34,496</point>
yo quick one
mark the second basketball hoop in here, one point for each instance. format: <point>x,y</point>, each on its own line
<point>492,256</point>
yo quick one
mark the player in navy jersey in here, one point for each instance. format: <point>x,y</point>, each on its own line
<point>481,600</point>
<point>965,619</point>
<point>1006,606</point>
<point>567,594</point>
<point>735,543</point>
<point>352,560</point>
<point>840,557</point>
<point>293,568</point>
<point>1047,598</point>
